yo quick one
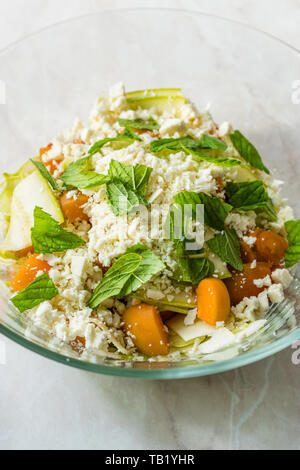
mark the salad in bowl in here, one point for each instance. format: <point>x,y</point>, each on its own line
<point>151,234</point>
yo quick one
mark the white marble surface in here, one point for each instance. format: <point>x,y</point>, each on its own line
<point>44,405</point>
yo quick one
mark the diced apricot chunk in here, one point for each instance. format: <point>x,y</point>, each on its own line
<point>28,272</point>
<point>144,325</point>
<point>241,284</point>
<point>270,247</point>
<point>73,207</point>
<point>213,301</point>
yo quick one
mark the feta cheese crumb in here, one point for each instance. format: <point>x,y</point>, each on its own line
<point>275,293</point>
<point>117,97</point>
<point>155,294</point>
<point>263,301</point>
<point>265,282</point>
<point>249,240</point>
<point>282,276</point>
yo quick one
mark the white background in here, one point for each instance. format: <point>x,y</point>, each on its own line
<point>44,405</point>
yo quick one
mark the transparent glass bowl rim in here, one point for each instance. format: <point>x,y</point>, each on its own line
<point>178,372</point>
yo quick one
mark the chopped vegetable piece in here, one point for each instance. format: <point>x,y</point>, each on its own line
<point>213,301</point>
<point>32,191</point>
<point>270,247</point>
<point>241,284</point>
<point>73,207</point>
<point>28,272</point>
<point>144,325</point>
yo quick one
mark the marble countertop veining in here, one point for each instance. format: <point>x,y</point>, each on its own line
<point>44,405</point>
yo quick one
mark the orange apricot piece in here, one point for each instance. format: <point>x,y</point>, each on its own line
<point>144,325</point>
<point>241,284</point>
<point>28,272</point>
<point>270,247</point>
<point>213,301</point>
<point>73,207</point>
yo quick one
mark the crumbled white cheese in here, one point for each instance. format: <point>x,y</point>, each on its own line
<point>263,301</point>
<point>155,294</point>
<point>117,97</point>
<point>275,293</point>
<point>241,222</point>
<point>249,240</point>
<point>265,282</point>
<point>282,276</point>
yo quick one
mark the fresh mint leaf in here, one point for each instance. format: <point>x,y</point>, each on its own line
<point>108,140</point>
<point>196,147</point>
<point>48,237</point>
<point>150,265</point>
<point>292,254</point>
<point>247,151</point>
<point>226,245</point>
<point>140,124</point>
<point>141,176</point>
<point>137,177</point>
<point>46,174</point>
<point>127,274</point>
<point>115,278</point>
<point>215,209</point>
<point>190,268</point>
<point>250,195</point>
<point>79,175</point>
<point>129,133</point>
<point>123,198</point>
<point>210,142</point>
<point>222,161</point>
<point>40,290</point>
<point>157,146</point>
<point>188,142</point>
<point>127,187</point>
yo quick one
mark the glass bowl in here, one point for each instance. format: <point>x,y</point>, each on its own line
<point>248,77</point>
